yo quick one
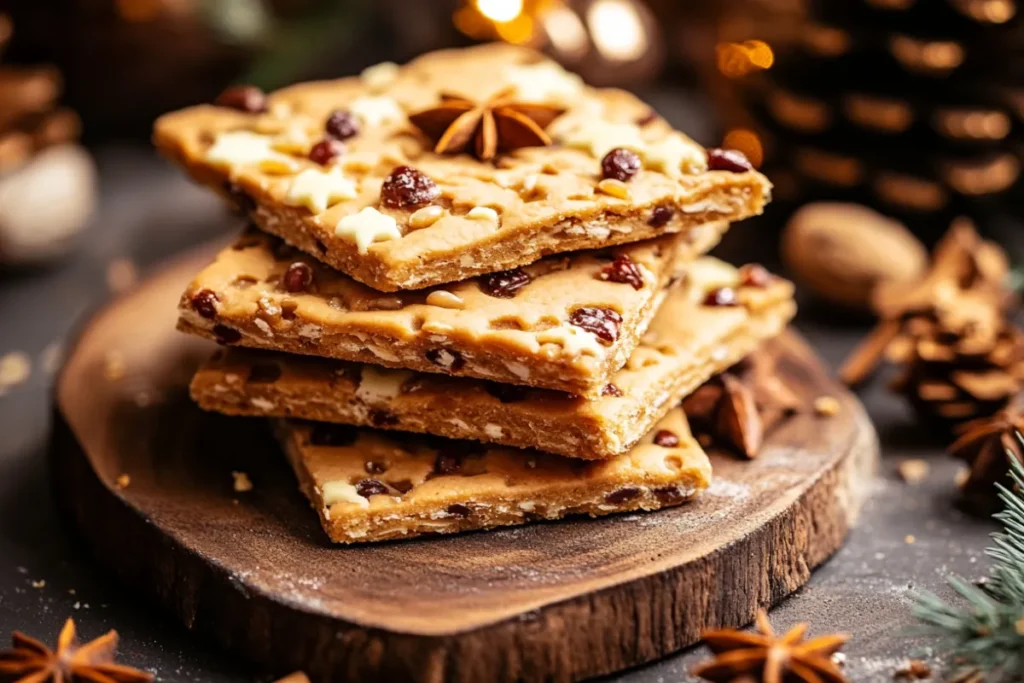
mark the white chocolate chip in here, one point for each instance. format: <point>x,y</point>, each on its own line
<point>379,385</point>
<point>483,213</point>
<point>367,227</point>
<point>445,299</point>
<point>425,217</point>
<point>335,492</point>
<point>318,190</point>
<point>544,81</point>
<point>675,154</point>
<point>600,137</point>
<point>376,110</point>
<point>379,76</point>
<point>613,187</point>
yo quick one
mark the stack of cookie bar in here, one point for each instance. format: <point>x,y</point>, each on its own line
<point>474,293</point>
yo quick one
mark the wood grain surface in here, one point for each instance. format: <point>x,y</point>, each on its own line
<point>557,601</point>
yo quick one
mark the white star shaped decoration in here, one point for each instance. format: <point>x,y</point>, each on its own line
<point>317,190</point>
<point>366,227</point>
<point>543,82</point>
<point>377,110</point>
<point>675,154</point>
<point>600,137</point>
<point>244,148</point>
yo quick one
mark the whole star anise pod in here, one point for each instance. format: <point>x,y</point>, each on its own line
<point>32,662</point>
<point>497,124</point>
<point>986,445</point>
<point>764,656</point>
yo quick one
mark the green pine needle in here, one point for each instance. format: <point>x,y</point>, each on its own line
<point>986,631</point>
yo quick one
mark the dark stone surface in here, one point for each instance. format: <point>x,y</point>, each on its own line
<point>149,211</point>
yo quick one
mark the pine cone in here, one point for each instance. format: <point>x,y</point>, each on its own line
<point>986,445</point>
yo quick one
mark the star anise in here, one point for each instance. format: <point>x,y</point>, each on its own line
<point>764,656</point>
<point>496,124</point>
<point>986,445</point>
<point>32,662</point>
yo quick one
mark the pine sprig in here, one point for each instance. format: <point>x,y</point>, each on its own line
<point>987,632</point>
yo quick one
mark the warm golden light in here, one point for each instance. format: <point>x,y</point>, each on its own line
<point>617,30</point>
<point>500,10</point>
<point>739,59</point>
<point>566,32</point>
<point>746,141</point>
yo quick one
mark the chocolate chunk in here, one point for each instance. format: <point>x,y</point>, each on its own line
<point>403,486</point>
<point>342,125</point>
<point>298,277</point>
<point>447,359</point>
<point>325,434</point>
<point>666,438</point>
<point>204,302</point>
<point>247,98</point>
<point>728,160</point>
<point>623,269</point>
<point>623,495</point>
<point>620,164</point>
<point>325,151</point>
<point>406,187</point>
<point>504,284</point>
<point>604,323</point>
<point>370,487</point>
<point>660,216</point>
<point>722,296</point>
<point>226,335</point>
<point>264,373</point>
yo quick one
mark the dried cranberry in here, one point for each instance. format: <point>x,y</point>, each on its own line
<point>447,462</point>
<point>666,438</point>
<point>324,434</point>
<point>722,296</point>
<point>204,302</point>
<point>226,335</point>
<point>458,510</point>
<point>247,98</point>
<point>668,495</point>
<point>604,323</point>
<point>728,160</point>
<point>342,125</point>
<point>407,187</point>
<point>298,277</point>
<point>449,360</point>
<point>264,373</point>
<point>375,467</point>
<point>326,150</point>
<point>620,164</point>
<point>624,270</point>
<point>382,418</point>
<point>370,487</point>
<point>611,390</point>
<point>623,495</point>
<point>660,216</point>
<point>754,275</point>
<point>504,284</point>
<point>507,393</point>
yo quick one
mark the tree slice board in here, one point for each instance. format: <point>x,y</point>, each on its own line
<point>556,601</point>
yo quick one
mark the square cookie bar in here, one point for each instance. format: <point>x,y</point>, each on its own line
<point>687,343</point>
<point>377,486</point>
<point>567,322</point>
<point>462,162</point>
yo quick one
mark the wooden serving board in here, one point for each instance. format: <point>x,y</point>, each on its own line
<point>555,601</point>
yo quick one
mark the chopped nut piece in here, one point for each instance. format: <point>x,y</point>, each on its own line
<point>445,299</point>
<point>425,217</point>
<point>614,188</point>
<point>827,406</point>
<point>482,213</point>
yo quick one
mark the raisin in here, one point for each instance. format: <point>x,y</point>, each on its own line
<point>624,270</point>
<point>458,510</point>
<point>382,418</point>
<point>728,160</point>
<point>669,495</point>
<point>204,302</point>
<point>247,98</point>
<point>324,434</point>
<point>226,335</point>
<point>722,296</point>
<point>504,284</point>
<point>298,277</point>
<point>326,150</point>
<point>620,164</point>
<point>611,390</point>
<point>264,373</point>
<point>375,467</point>
<point>660,216</point>
<point>406,187</point>
<point>342,125</point>
<point>666,438</point>
<point>507,393</point>
<point>447,462</point>
<point>754,275</point>
<point>623,495</point>
<point>604,323</point>
<point>370,487</point>
<point>449,360</point>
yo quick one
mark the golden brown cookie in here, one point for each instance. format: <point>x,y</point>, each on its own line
<point>363,174</point>
<point>377,486</point>
<point>567,322</point>
<point>686,344</point>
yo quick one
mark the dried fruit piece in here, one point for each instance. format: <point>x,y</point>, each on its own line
<point>611,390</point>
<point>204,302</point>
<point>660,216</point>
<point>623,269</point>
<point>504,284</point>
<point>721,296</point>
<point>754,275</point>
<point>298,277</point>
<point>342,125</point>
<point>728,160</point>
<point>620,164</point>
<point>247,98</point>
<point>370,487</point>
<point>604,323</point>
<point>447,462</point>
<point>406,187</point>
<point>666,438</point>
<point>325,151</point>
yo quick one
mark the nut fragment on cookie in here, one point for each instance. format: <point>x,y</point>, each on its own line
<point>367,227</point>
<point>372,487</point>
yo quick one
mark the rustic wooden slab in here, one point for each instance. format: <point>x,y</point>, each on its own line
<point>556,601</point>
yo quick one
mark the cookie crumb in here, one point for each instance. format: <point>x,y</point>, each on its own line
<point>913,670</point>
<point>839,658</point>
<point>15,368</point>
<point>122,481</point>
<point>914,471</point>
<point>962,475</point>
<point>121,275</point>
<point>41,583</point>
<point>827,406</point>
<point>242,483</point>
<point>909,539</point>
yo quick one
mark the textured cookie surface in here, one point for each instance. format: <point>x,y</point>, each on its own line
<point>566,322</point>
<point>477,216</point>
<point>686,343</point>
<point>374,486</point>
